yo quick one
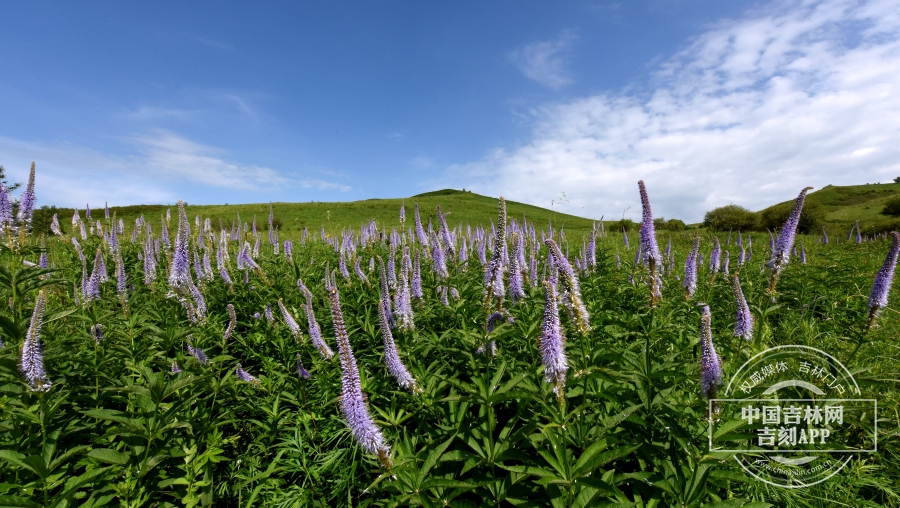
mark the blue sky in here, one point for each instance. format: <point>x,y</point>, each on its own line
<point>568,103</point>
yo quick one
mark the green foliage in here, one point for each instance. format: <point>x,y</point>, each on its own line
<point>730,218</point>
<point>661,224</point>
<point>623,224</point>
<point>118,428</point>
<point>892,207</point>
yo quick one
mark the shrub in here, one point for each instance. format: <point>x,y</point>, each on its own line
<point>662,224</point>
<point>730,218</point>
<point>626,224</point>
<point>811,219</point>
<point>892,207</point>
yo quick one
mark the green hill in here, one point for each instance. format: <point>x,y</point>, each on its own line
<point>463,207</point>
<point>838,207</point>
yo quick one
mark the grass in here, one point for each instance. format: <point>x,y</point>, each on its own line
<point>851,203</point>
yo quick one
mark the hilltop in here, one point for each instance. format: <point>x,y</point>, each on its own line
<point>845,205</point>
<point>463,207</point>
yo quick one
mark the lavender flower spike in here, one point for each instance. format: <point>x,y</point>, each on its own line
<point>175,368</point>
<point>353,401</point>
<point>690,271</point>
<point>179,271</point>
<point>198,354</point>
<point>650,249</point>
<point>245,376</point>
<point>744,325</point>
<point>710,366</point>
<point>232,322</point>
<point>392,358</point>
<point>782,251</point>
<point>878,298</point>
<point>26,202</point>
<point>571,289</point>
<point>31,361</point>
<point>289,320</point>
<point>301,370</point>
<point>315,333</point>
<point>552,344</point>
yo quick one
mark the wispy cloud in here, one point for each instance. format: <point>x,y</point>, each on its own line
<point>156,168</point>
<point>545,61</point>
<point>224,46</point>
<point>750,111</point>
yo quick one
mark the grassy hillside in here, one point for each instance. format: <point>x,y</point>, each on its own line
<point>851,203</point>
<point>460,206</point>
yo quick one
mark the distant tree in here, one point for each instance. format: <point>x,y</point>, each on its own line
<point>892,207</point>
<point>9,186</point>
<point>897,180</point>
<point>626,224</point>
<point>730,218</point>
<point>811,220</point>
<point>661,224</point>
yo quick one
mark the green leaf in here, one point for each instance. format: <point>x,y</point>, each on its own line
<point>109,456</point>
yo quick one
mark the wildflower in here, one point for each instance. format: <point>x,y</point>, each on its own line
<point>571,289</point>
<point>26,202</point>
<point>179,271</point>
<point>54,223</point>
<point>175,368</point>
<point>391,357</point>
<point>315,333</point>
<point>516,290</point>
<point>420,231</point>
<point>385,293</point>
<point>97,333</point>
<point>802,254</point>
<point>648,246</point>
<point>402,300</point>
<point>552,343</point>
<point>439,263</point>
<point>359,272</point>
<point>268,312</point>
<point>198,354</point>
<point>289,320</point>
<point>710,366</point>
<point>245,376</point>
<point>726,262</point>
<point>353,401</point>
<point>31,361</point>
<point>824,236</point>
<point>302,370</point>
<point>416,286</point>
<point>232,322</point>
<point>6,211</point>
<point>881,288</point>
<point>715,257</point>
<point>493,277</point>
<point>781,252</point>
<point>690,270</point>
<point>744,324</point>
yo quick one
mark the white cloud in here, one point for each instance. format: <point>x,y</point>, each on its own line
<point>161,165</point>
<point>751,111</point>
<point>545,61</point>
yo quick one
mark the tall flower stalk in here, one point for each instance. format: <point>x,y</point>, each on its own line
<point>743,326</point>
<point>690,270</point>
<point>881,288</point>
<point>31,360</point>
<point>781,253</point>
<point>392,358</point>
<point>571,294</point>
<point>353,401</point>
<point>710,365</point>
<point>651,255</point>
<point>552,344</point>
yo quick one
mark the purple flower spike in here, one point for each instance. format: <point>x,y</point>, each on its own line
<point>420,231</point>
<point>27,201</point>
<point>571,289</point>
<point>710,366</point>
<point>290,321</point>
<point>392,358</point>
<point>31,361</point>
<point>353,401</point>
<point>715,257</point>
<point>785,242</point>
<point>552,344</point>
<point>315,333</point>
<point>651,255</point>
<point>179,272</point>
<point>6,214</point>
<point>516,282</point>
<point>301,370</point>
<point>232,322</point>
<point>744,324</point>
<point>690,271</point>
<point>245,376</point>
<point>175,368</point>
<point>881,288</point>
<point>416,286</point>
<point>494,274</point>
<point>54,224</point>
<point>198,354</point>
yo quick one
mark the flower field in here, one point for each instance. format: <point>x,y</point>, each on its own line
<point>185,363</point>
